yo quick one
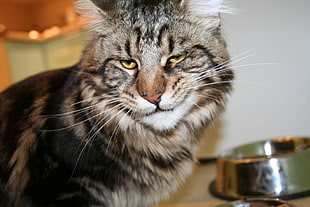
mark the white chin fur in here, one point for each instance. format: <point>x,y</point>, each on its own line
<point>166,120</point>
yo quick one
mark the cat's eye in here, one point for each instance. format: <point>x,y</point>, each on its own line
<point>129,64</point>
<point>176,59</point>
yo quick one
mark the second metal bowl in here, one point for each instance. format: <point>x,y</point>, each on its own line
<point>277,168</point>
<point>257,203</point>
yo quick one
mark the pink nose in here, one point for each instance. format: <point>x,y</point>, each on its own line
<point>152,97</point>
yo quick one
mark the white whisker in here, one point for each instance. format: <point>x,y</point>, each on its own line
<point>96,98</point>
<point>78,111</point>
<point>212,97</point>
<point>81,122</point>
<point>92,136</point>
<point>252,64</point>
<point>81,110</point>
<point>116,129</point>
<point>221,82</point>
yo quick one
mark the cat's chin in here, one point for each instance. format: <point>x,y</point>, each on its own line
<point>165,120</point>
<point>161,120</point>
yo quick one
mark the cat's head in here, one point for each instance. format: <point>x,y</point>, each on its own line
<point>156,62</point>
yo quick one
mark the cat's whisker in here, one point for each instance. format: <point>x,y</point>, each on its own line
<point>81,122</point>
<point>106,103</point>
<point>107,114</point>
<point>205,76</point>
<point>80,155</point>
<point>92,136</point>
<point>95,124</point>
<point>220,68</point>
<point>241,56</point>
<point>81,110</point>
<point>252,64</point>
<point>108,121</point>
<point>239,59</point>
<point>232,61</point>
<point>214,72</point>
<point>78,111</point>
<point>117,128</point>
<point>103,125</point>
<point>223,82</point>
<point>197,105</point>
<point>208,72</point>
<point>226,64</point>
<point>209,96</point>
<point>105,97</point>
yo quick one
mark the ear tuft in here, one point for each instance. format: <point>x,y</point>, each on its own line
<point>207,10</point>
<point>92,14</point>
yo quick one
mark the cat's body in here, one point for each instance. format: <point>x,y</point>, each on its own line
<point>121,127</point>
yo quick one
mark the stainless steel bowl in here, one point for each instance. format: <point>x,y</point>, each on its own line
<point>257,203</point>
<point>277,168</point>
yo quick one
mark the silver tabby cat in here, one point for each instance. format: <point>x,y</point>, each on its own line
<point>120,128</point>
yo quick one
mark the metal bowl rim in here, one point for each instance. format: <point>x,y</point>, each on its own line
<point>246,201</point>
<point>228,156</point>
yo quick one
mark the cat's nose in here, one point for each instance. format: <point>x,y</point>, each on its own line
<point>153,97</point>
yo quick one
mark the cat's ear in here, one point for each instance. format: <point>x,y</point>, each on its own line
<point>207,11</point>
<point>97,13</point>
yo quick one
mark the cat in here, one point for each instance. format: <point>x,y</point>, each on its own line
<point>121,127</point>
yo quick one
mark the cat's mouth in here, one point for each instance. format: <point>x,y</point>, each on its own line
<point>166,118</point>
<point>159,110</point>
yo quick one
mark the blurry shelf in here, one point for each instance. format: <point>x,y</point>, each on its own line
<point>27,57</point>
<point>48,34</point>
<point>23,1</point>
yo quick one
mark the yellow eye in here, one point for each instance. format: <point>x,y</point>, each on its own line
<point>176,59</point>
<point>129,64</point>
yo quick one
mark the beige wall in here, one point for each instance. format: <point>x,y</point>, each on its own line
<point>269,43</point>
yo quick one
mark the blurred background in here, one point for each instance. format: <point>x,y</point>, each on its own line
<point>37,35</point>
<point>268,41</point>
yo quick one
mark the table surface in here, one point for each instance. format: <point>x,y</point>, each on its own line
<point>195,191</point>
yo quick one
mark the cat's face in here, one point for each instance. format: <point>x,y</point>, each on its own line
<point>156,64</point>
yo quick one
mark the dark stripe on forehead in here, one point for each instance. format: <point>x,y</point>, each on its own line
<point>162,30</point>
<point>127,47</point>
<point>137,30</point>
<point>171,44</point>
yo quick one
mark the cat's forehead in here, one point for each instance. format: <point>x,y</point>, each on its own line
<point>150,17</point>
<point>150,43</point>
<point>152,40</point>
<point>147,6</point>
<point>150,14</point>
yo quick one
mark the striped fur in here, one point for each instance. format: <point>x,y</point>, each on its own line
<point>101,134</point>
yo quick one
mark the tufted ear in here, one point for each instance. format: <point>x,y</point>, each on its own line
<point>97,12</point>
<point>207,11</point>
